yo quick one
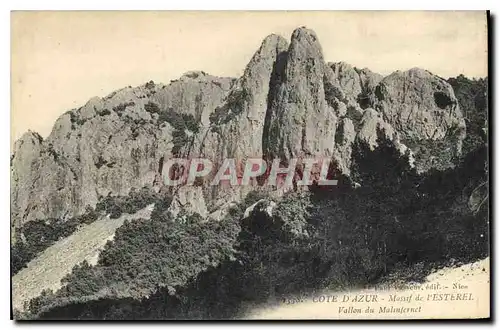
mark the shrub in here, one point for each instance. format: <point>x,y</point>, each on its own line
<point>121,107</point>
<point>233,107</point>
<point>340,238</point>
<point>151,107</point>
<point>104,112</point>
<point>180,123</point>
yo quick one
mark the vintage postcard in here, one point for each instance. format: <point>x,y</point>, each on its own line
<point>250,165</point>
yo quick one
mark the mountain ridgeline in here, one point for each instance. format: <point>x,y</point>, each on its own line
<point>288,103</point>
<point>409,151</point>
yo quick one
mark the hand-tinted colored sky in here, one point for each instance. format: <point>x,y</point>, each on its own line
<point>61,59</point>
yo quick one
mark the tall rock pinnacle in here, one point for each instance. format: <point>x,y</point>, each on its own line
<point>301,122</point>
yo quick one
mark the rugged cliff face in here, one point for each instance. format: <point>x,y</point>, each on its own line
<point>288,103</point>
<point>108,146</point>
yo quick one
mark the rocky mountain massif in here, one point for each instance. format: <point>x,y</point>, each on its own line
<point>289,102</point>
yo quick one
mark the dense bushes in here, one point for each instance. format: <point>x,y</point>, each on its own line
<point>179,121</point>
<point>188,265</point>
<point>119,109</point>
<point>397,216</point>
<point>337,238</point>
<point>472,96</point>
<point>135,201</point>
<point>75,119</point>
<point>35,236</point>
<point>152,107</point>
<point>150,254</point>
<point>182,124</point>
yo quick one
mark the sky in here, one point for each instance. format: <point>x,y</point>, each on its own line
<point>59,60</point>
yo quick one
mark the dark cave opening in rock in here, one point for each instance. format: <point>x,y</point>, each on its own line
<point>442,100</point>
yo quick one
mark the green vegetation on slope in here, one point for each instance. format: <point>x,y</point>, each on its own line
<point>182,123</point>
<point>337,237</point>
<point>36,236</point>
<point>472,96</point>
<point>55,262</point>
<point>233,107</point>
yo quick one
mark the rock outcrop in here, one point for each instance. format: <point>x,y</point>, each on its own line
<point>236,126</point>
<point>239,122</point>
<point>419,105</point>
<point>356,84</point>
<point>261,206</point>
<point>108,146</point>
<point>288,103</point>
<point>301,122</point>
